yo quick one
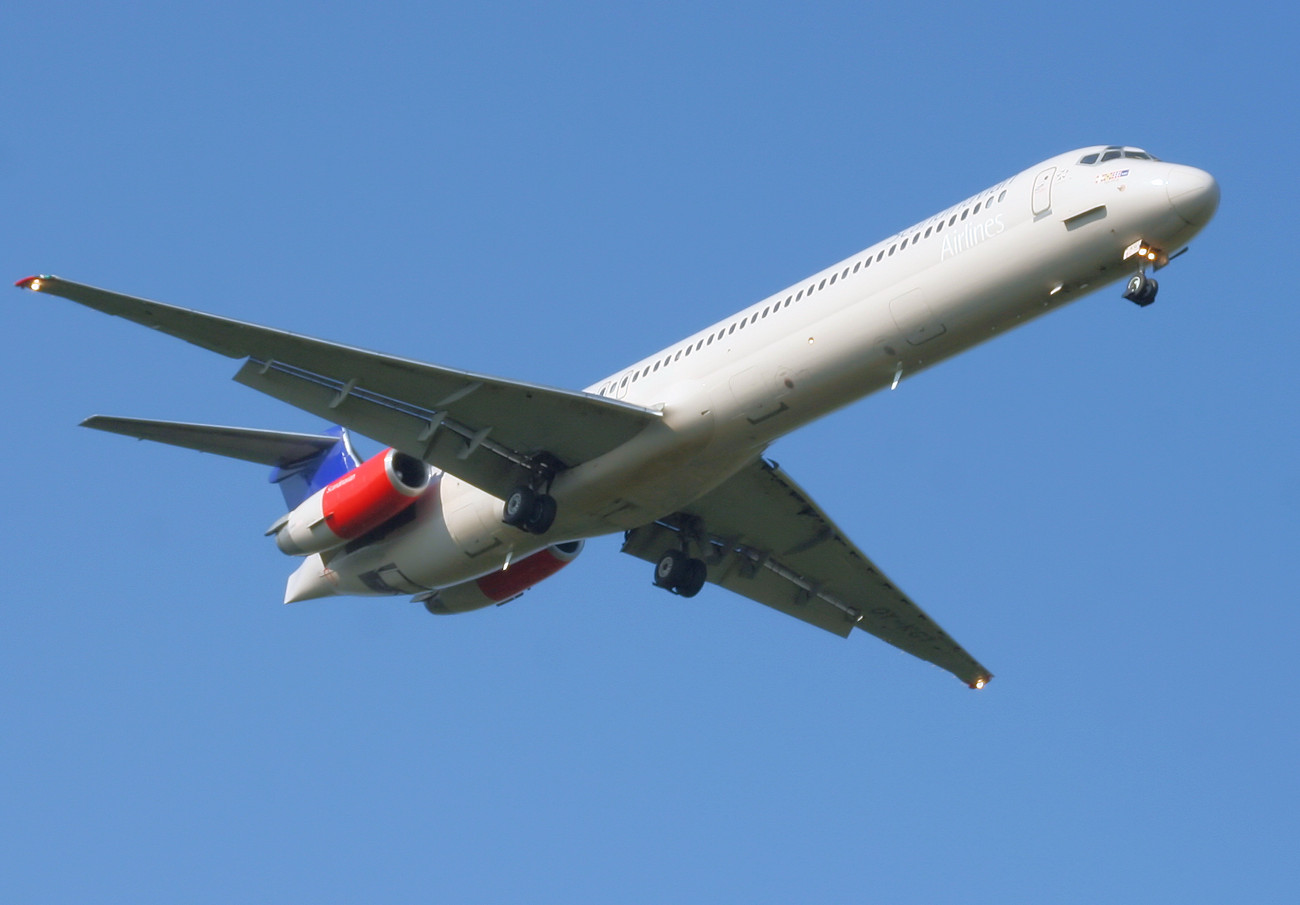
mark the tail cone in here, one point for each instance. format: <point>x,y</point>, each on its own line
<point>310,581</point>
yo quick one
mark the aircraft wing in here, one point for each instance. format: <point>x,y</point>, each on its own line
<point>767,540</point>
<point>479,428</point>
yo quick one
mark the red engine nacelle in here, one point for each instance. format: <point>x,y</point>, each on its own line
<point>499,587</point>
<point>360,501</point>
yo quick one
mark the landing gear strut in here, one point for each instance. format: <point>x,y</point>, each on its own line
<point>529,511</point>
<point>1141,289</point>
<point>528,508</point>
<point>680,574</point>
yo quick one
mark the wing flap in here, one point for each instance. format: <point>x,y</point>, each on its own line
<point>429,434</point>
<point>766,539</point>
<point>747,573</point>
<point>392,399</point>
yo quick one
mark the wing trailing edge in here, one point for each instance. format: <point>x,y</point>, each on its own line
<point>480,428</point>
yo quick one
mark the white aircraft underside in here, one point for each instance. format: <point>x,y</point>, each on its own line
<point>670,449</point>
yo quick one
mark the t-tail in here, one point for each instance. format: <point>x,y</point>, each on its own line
<point>300,478</point>
<point>343,512</point>
<point>330,494</point>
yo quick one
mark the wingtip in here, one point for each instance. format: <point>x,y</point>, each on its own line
<point>32,283</point>
<point>980,681</point>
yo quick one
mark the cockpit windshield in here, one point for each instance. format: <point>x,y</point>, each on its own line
<point>1115,152</point>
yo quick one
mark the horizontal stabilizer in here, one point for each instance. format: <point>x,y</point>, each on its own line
<point>265,447</point>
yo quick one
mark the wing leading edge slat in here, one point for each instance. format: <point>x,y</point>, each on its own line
<point>483,427</point>
<point>764,538</point>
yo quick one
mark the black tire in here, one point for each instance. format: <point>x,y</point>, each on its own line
<point>519,507</point>
<point>543,515</point>
<point>670,569</point>
<point>1141,290</point>
<point>694,576</point>
<point>1150,295</point>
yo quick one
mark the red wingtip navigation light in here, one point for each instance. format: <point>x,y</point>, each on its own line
<point>32,283</point>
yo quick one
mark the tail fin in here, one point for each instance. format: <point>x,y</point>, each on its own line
<point>301,478</point>
<point>303,463</point>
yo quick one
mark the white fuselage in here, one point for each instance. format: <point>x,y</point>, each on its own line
<point>1012,252</point>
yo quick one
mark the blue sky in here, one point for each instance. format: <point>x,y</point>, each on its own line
<point>1102,506</point>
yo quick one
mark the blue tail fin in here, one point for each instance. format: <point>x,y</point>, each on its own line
<point>299,480</point>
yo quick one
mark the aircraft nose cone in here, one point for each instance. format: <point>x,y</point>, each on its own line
<point>1193,193</point>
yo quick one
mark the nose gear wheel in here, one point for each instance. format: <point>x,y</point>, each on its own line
<point>1141,289</point>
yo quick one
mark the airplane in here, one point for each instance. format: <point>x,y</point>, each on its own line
<point>490,485</point>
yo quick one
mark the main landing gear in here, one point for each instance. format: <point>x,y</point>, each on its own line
<point>529,511</point>
<point>530,508</point>
<point>1141,289</point>
<point>681,574</point>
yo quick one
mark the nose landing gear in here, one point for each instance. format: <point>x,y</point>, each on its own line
<point>1141,289</point>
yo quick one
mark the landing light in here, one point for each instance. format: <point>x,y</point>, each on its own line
<point>1145,251</point>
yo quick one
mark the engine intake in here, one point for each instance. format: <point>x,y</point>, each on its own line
<point>360,501</point>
